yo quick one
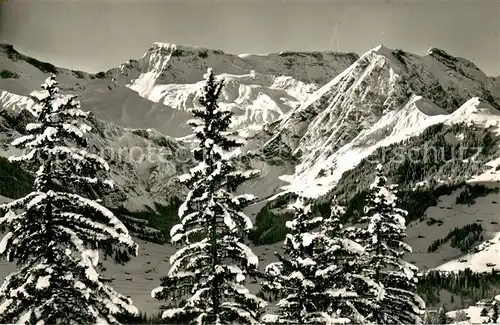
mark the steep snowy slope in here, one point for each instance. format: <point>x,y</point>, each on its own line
<point>10,101</point>
<point>485,211</point>
<point>254,98</point>
<point>449,215</point>
<point>430,169</point>
<point>393,127</point>
<point>329,131</point>
<point>125,107</point>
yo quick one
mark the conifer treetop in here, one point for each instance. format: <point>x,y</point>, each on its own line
<point>386,248</point>
<point>207,277</point>
<point>300,277</point>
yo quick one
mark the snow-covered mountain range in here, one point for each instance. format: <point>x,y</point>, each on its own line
<point>312,121</point>
<point>156,90</point>
<point>322,111</point>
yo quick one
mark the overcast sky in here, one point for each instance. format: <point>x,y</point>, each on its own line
<point>98,35</point>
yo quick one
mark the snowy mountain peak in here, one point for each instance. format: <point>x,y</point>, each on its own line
<point>259,89</point>
<point>435,50</point>
<point>163,84</point>
<point>161,45</point>
<point>384,97</point>
<point>476,102</point>
<point>381,48</point>
<point>479,112</point>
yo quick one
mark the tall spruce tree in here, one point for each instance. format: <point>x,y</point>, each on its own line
<point>293,277</point>
<point>54,233</point>
<point>386,248</point>
<point>350,293</point>
<point>207,278</point>
<point>311,276</point>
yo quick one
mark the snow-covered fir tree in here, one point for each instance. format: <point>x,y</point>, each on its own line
<point>54,233</point>
<point>310,276</point>
<point>207,278</point>
<point>349,292</point>
<point>294,276</point>
<point>386,248</point>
